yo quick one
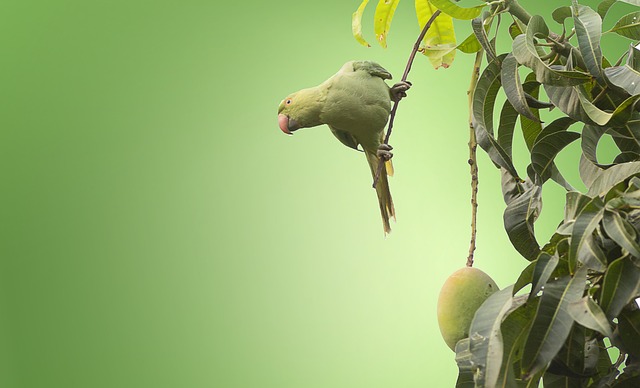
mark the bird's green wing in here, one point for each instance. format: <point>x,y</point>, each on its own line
<point>372,68</point>
<point>346,138</point>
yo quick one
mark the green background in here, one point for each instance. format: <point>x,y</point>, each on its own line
<point>158,230</point>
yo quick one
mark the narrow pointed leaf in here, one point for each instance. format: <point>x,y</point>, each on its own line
<point>486,338</point>
<point>586,222</point>
<point>456,11</point>
<point>561,13</point>
<point>382,19</point>
<point>479,29</point>
<point>545,265</point>
<point>552,323</point>
<point>591,135</point>
<point>519,217</point>
<point>628,26</point>
<point>621,231</point>
<point>589,172</point>
<point>604,6</point>
<point>470,45</point>
<point>531,128</point>
<point>613,176</point>
<point>587,313</point>
<point>588,26</point>
<point>620,286</point>
<point>525,277</point>
<point>553,139</point>
<point>512,86</point>
<point>508,118</point>
<point>484,98</point>
<point>356,24</point>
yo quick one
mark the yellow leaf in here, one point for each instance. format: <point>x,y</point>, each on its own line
<point>356,24</point>
<point>382,19</point>
<point>440,41</point>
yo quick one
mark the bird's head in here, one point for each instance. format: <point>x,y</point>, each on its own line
<point>299,110</point>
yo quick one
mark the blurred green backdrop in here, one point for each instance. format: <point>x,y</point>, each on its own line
<point>158,230</point>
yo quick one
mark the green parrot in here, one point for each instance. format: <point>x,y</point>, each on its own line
<point>355,103</point>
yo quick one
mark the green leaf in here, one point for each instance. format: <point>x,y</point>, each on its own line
<point>587,313</point>
<point>552,323</point>
<point>526,277</point>
<point>486,338</point>
<point>604,6</point>
<point>465,366</point>
<point>588,26</point>
<point>515,30</point>
<point>621,231</point>
<point>525,51</point>
<point>628,26</point>
<point>439,43</point>
<point>561,13</point>
<point>587,219</point>
<point>470,45</point>
<point>545,264</point>
<point>480,31</point>
<point>382,19</point>
<point>620,286</point>
<point>624,77</point>
<point>515,328</point>
<point>613,176</point>
<point>484,99</point>
<point>569,363</point>
<point>508,118</point>
<point>356,24</point>
<point>456,11</point>
<point>629,329</point>
<point>519,217</point>
<point>553,139</point>
<point>531,128</point>
<point>589,172</point>
<point>510,80</point>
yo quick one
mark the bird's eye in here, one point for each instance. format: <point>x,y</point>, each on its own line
<point>288,101</point>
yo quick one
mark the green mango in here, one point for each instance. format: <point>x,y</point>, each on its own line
<point>460,297</point>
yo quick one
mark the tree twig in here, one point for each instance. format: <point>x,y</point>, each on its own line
<point>473,162</point>
<point>407,69</point>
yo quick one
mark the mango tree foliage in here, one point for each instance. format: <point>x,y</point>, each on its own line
<point>581,288</point>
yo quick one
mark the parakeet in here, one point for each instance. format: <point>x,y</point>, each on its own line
<point>355,103</point>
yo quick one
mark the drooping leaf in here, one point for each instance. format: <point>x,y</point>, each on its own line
<point>480,31</point>
<point>620,286</point>
<point>628,26</point>
<point>439,43</point>
<point>457,12</point>
<point>568,365</point>
<point>510,80</point>
<point>484,98</point>
<point>589,314</point>
<point>515,328</point>
<point>613,176</point>
<point>514,30</point>
<point>588,26</point>
<point>591,135</point>
<point>589,172</point>
<point>553,139</point>
<point>356,24</point>
<point>519,217</point>
<point>382,19</point>
<point>525,51</point>
<point>526,277</point>
<point>531,128</point>
<point>587,219</point>
<point>552,322</point>
<point>629,329</point>
<point>508,118</point>
<point>545,264</point>
<point>486,338</point>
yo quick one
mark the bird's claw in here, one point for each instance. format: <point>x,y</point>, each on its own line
<point>384,151</point>
<point>399,90</point>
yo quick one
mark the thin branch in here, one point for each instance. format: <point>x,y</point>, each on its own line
<point>473,161</point>
<point>407,69</point>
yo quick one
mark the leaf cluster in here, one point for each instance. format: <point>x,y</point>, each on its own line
<point>576,299</point>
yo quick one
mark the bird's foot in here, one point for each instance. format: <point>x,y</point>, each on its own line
<point>399,90</point>
<point>384,151</point>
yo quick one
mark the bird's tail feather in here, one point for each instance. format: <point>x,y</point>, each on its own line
<point>382,189</point>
